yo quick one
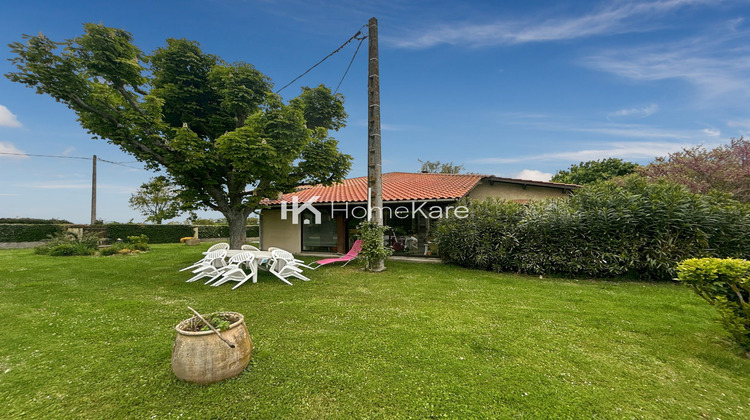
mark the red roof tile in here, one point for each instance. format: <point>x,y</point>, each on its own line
<point>397,186</point>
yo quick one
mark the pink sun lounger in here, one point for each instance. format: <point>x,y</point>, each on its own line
<point>346,258</point>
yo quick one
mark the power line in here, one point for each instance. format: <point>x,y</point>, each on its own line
<point>71,157</point>
<point>355,36</point>
<point>350,64</point>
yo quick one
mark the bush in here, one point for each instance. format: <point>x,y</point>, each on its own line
<point>131,245</point>
<point>27,232</point>
<point>604,230</point>
<point>66,244</point>
<point>137,243</point>
<point>112,249</point>
<point>373,249</point>
<point>63,250</point>
<point>726,285</point>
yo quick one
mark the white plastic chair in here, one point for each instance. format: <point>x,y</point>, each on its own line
<point>269,261</point>
<point>216,247</point>
<point>210,267</point>
<point>234,272</point>
<point>202,262</point>
<point>284,266</point>
<point>249,248</point>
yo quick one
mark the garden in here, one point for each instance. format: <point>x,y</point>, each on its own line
<point>91,336</point>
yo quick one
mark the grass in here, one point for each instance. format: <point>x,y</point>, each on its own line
<point>90,337</point>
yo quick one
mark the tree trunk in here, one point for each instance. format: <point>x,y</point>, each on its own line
<point>237,231</point>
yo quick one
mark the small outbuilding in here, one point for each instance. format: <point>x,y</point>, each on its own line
<point>325,218</point>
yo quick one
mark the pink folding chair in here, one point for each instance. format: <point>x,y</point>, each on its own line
<point>346,258</point>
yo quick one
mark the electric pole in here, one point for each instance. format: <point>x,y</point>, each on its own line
<point>374,170</point>
<point>93,193</point>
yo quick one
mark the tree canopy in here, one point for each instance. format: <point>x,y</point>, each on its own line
<point>157,200</point>
<point>438,167</point>
<point>725,169</point>
<point>215,127</point>
<point>594,171</point>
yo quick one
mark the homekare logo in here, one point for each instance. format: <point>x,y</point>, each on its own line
<point>363,212</point>
<point>297,210</point>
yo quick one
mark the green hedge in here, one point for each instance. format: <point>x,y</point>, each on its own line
<point>157,234</point>
<point>28,233</point>
<point>31,221</point>
<point>725,284</point>
<point>603,230</point>
<point>222,231</point>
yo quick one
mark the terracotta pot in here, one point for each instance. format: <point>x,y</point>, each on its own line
<point>202,357</point>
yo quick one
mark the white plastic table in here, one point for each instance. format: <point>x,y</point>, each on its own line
<point>260,256</point>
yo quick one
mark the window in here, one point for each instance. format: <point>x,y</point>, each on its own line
<point>319,237</point>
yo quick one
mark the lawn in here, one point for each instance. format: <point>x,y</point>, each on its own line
<point>90,337</point>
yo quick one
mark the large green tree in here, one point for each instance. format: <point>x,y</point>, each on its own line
<point>216,128</point>
<point>594,171</point>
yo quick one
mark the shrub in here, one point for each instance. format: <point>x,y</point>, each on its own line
<point>133,244</point>
<point>112,249</point>
<point>67,243</point>
<point>137,243</point>
<point>373,249</point>
<point>605,229</point>
<point>725,284</point>
<point>486,240</point>
<point>63,250</point>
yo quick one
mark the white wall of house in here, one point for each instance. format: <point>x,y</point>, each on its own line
<point>514,191</point>
<point>279,233</point>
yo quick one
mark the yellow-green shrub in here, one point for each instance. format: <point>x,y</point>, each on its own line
<point>725,284</point>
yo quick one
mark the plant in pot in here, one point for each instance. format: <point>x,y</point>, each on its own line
<point>210,348</point>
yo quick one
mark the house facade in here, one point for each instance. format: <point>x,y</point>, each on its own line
<point>321,218</point>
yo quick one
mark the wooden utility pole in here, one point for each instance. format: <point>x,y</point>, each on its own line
<point>374,170</point>
<point>93,193</point>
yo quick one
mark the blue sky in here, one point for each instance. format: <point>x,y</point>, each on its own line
<point>515,89</point>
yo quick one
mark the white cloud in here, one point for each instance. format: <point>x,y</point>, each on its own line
<point>742,124</point>
<point>622,150</point>
<point>68,151</point>
<point>533,175</point>
<point>7,118</point>
<point>712,132</point>
<point>621,17</point>
<point>7,147</point>
<point>716,65</point>
<point>635,112</point>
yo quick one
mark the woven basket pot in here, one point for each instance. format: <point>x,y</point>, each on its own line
<point>202,357</point>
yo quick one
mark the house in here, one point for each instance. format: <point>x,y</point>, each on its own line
<point>320,218</point>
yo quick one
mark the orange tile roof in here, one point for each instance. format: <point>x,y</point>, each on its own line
<point>397,186</point>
